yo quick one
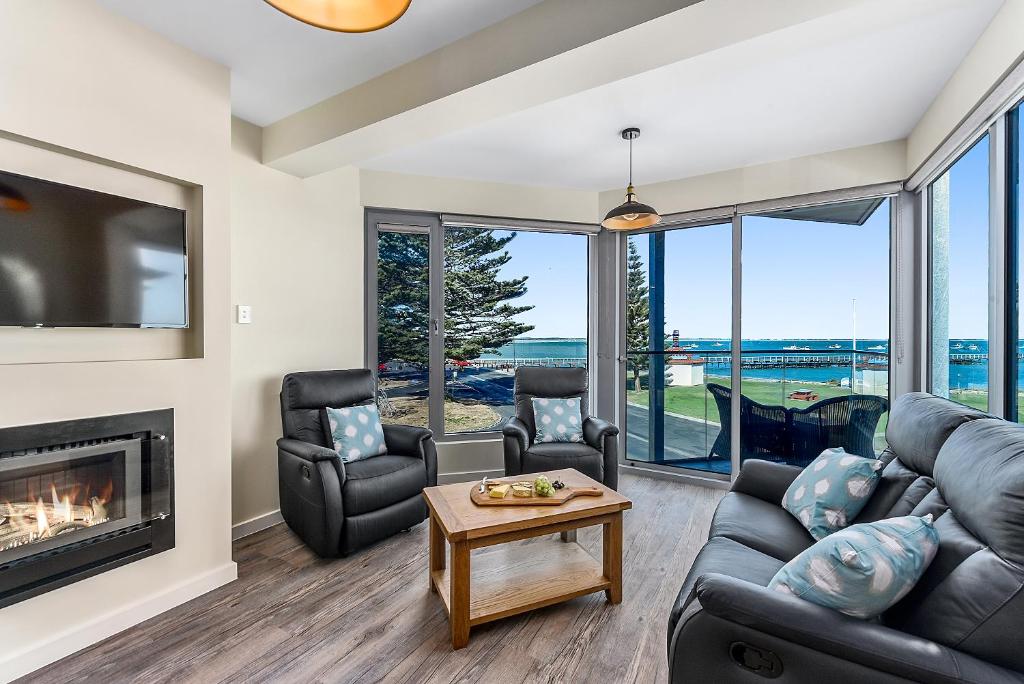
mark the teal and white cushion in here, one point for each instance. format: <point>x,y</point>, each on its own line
<point>558,420</point>
<point>831,491</point>
<point>356,432</point>
<point>863,570</point>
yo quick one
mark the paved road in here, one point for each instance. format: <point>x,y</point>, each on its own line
<point>683,438</point>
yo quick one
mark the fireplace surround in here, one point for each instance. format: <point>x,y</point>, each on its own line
<point>81,497</point>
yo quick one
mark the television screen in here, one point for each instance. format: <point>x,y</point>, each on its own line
<point>76,257</point>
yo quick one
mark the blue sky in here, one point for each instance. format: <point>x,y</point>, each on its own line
<point>557,288</point>
<point>799,278</point>
<point>968,244</point>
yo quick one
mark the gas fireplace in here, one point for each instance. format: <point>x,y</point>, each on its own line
<point>81,497</point>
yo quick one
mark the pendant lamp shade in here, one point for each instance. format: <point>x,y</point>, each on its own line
<point>347,16</point>
<point>631,214</point>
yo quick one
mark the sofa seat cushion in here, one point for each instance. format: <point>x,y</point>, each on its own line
<point>377,482</point>
<point>557,455</point>
<point>727,557</point>
<point>763,526</point>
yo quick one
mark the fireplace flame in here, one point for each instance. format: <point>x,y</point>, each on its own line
<point>42,524</point>
<point>69,507</point>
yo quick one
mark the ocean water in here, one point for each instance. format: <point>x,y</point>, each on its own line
<point>966,376</point>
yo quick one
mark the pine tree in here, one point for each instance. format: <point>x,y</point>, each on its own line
<point>638,323</point>
<point>477,316</point>
<point>403,296</point>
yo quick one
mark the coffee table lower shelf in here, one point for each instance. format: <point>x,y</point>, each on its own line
<point>511,579</point>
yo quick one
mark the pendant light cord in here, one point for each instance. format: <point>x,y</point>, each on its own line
<point>631,161</point>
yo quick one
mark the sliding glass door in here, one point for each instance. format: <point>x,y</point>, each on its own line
<point>678,313</point>
<point>813,286</point>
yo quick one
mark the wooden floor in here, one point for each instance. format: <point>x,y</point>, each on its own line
<point>292,617</point>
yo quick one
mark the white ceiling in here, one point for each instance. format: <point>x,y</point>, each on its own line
<point>280,66</point>
<point>853,78</point>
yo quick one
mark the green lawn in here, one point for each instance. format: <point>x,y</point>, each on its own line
<point>694,401</point>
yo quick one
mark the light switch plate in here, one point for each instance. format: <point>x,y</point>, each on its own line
<point>244,314</point>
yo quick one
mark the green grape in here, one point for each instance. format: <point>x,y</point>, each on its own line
<point>542,486</point>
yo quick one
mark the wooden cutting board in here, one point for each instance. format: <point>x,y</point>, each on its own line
<point>557,499</point>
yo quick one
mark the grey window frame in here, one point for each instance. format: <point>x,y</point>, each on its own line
<point>432,224</point>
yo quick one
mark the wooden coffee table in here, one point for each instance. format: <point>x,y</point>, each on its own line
<point>514,579</point>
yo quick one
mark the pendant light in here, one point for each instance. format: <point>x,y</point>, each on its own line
<point>347,16</point>
<point>631,214</point>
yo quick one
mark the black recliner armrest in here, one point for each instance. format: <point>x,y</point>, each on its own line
<point>307,451</point>
<point>595,430</point>
<point>409,440</point>
<point>841,636</point>
<point>406,440</point>
<point>765,480</point>
<point>516,429</point>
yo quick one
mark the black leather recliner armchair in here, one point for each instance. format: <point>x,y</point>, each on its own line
<point>336,507</point>
<point>596,457</point>
<point>960,623</point>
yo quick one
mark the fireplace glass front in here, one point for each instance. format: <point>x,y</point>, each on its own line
<point>58,497</point>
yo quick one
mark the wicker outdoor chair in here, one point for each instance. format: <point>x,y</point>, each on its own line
<point>798,435</point>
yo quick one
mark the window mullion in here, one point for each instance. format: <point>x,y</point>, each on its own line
<point>437,368</point>
<point>997,343</point>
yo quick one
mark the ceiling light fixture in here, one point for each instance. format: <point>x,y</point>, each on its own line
<point>347,16</point>
<point>631,215</point>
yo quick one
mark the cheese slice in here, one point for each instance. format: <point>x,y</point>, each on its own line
<point>521,490</point>
<point>500,491</point>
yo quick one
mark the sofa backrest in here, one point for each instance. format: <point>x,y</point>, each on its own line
<point>971,598</point>
<point>304,395</point>
<point>919,425</point>
<point>548,383</point>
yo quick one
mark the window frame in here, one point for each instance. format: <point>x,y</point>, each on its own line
<point>434,225</point>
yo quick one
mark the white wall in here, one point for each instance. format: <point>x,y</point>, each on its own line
<point>998,49</point>
<point>85,83</point>
<point>297,260</point>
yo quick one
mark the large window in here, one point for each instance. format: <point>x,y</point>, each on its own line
<point>403,326</point>
<point>457,308</point>
<point>815,353</point>
<point>511,298</point>
<point>958,211</point>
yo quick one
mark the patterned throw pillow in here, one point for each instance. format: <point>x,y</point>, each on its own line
<point>831,491</point>
<point>558,420</point>
<point>355,431</point>
<point>863,570</point>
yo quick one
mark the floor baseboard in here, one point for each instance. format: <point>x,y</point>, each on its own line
<point>254,525</point>
<point>64,643</point>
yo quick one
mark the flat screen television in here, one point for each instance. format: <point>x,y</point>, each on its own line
<point>71,257</point>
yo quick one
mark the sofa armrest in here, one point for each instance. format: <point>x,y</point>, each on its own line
<point>828,631</point>
<point>408,440</point>
<point>765,480</point>
<point>307,451</point>
<point>595,430</point>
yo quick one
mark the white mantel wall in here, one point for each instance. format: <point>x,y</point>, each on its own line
<point>82,82</point>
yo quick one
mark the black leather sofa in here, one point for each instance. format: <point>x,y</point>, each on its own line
<point>336,507</point>
<point>963,622</point>
<point>596,457</point>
